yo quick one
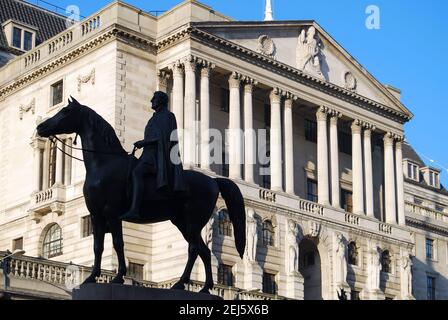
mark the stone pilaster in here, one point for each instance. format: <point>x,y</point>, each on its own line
<point>368,170</point>
<point>322,157</point>
<point>276,141</point>
<point>334,154</point>
<point>190,64</point>
<point>289,144</point>
<point>178,102</point>
<point>249,132</point>
<point>400,182</point>
<point>205,114</point>
<point>389,179</point>
<point>162,83</point>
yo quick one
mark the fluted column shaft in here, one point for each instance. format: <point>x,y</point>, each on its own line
<point>235,139</point>
<point>190,114</point>
<point>289,147</point>
<point>59,164</point>
<point>368,172</point>
<point>38,147</point>
<point>389,179</point>
<point>178,104</point>
<point>358,188</point>
<point>334,154</point>
<point>249,134</point>
<point>322,158</point>
<point>276,142</point>
<point>205,117</point>
<point>400,187</point>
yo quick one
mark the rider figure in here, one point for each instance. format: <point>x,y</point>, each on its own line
<point>157,158</point>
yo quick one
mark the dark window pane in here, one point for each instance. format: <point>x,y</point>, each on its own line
<point>225,98</point>
<point>52,165</point>
<point>345,142</point>
<point>86,226</point>
<point>347,200</point>
<point>56,93</point>
<point>311,130</point>
<point>386,261</point>
<point>429,249</point>
<point>267,116</point>
<point>135,271</point>
<point>17,37</point>
<point>224,225</point>
<point>17,244</point>
<point>225,275</point>
<point>312,190</point>
<point>431,288</point>
<point>269,285</point>
<point>52,245</point>
<point>28,41</point>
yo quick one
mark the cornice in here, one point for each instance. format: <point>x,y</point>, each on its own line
<point>423,225</point>
<point>298,75</point>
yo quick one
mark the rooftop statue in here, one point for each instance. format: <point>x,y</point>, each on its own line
<point>157,179</point>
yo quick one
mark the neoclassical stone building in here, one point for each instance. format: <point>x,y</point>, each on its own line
<point>325,195</point>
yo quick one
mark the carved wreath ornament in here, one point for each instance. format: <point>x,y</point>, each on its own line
<point>266,46</point>
<point>86,79</point>
<point>350,81</point>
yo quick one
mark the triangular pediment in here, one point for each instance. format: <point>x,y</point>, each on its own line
<point>305,46</point>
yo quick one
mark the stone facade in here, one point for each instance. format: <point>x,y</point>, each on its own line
<point>320,121</point>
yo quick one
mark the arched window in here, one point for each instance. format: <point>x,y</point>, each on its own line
<point>352,253</point>
<point>268,233</point>
<point>52,246</point>
<point>386,261</point>
<point>225,225</point>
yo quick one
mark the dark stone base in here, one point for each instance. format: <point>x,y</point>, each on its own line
<point>100,291</point>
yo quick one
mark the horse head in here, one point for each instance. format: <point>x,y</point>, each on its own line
<point>66,121</point>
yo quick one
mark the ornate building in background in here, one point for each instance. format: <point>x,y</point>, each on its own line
<point>334,211</point>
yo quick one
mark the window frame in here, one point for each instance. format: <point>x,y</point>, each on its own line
<point>432,244</point>
<point>14,243</point>
<point>310,127</point>
<point>352,244</point>
<point>86,221</point>
<point>225,227</point>
<point>268,233</point>
<point>310,196</point>
<point>433,287</point>
<point>52,104</point>
<point>224,271</point>
<point>52,252</point>
<point>131,270</point>
<point>269,281</point>
<point>389,265</point>
<point>413,171</point>
<point>13,38</point>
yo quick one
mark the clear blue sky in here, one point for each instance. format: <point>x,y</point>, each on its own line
<point>408,51</point>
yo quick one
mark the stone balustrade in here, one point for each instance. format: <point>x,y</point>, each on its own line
<point>426,212</point>
<point>311,207</point>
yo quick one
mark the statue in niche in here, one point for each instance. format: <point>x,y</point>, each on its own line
<point>375,269</point>
<point>341,260</point>
<point>252,236</point>
<point>292,251</point>
<point>406,274</point>
<point>308,52</point>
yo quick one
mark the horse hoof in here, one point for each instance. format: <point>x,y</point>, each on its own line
<point>205,290</point>
<point>178,286</point>
<point>118,280</point>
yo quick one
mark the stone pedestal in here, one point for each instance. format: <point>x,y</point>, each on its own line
<point>253,276</point>
<point>294,286</point>
<point>98,291</point>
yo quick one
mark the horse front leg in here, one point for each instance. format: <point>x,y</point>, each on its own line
<point>117,239</point>
<point>185,278</point>
<point>99,230</point>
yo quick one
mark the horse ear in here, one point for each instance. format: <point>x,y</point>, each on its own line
<point>69,102</point>
<point>74,100</point>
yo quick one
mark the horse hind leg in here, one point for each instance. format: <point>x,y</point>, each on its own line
<point>185,278</point>
<point>206,257</point>
<point>117,239</point>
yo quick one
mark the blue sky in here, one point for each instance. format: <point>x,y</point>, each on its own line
<point>408,51</point>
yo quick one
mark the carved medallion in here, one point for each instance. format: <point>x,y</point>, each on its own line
<point>266,46</point>
<point>350,81</point>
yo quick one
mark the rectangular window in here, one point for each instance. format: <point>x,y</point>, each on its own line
<point>345,142</point>
<point>135,270</point>
<point>17,244</point>
<point>431,179</point>
<point>413,171</point>
<point>347,200</point>
<point>57,93</point>
<point>17,37</point>
<point>431,288</point>
<point>311,190</point>
<point>27,41</point>
<point>269,285</point>
<point>355,295</point>
<point>311,130</point>
<point>429,249</point>
<point>86,226</point>
<point>225,275</point>
<point>225,99</point>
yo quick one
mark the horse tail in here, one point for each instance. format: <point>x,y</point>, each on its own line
<point>237,213</point>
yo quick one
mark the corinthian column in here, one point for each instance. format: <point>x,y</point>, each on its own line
<point>276,142</point>
<point>358,188</point>
<point>334,154</point>
<point>190,113</point>
<point>162,83</point>
<point>249,133</point>
<point>205,116</point>
<point>178,102</point>
<point>322,157</point>
<point>235,143</point>
<point>289,145</point>
<point>368,171</point>
<point>389,179</point>
<point>59,164</point>
<point>400,187</point>
<point>38,147</point>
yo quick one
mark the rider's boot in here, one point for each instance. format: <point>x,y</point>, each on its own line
<point>137,197</point>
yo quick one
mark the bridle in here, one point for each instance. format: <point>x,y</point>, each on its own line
<point>52,138</point>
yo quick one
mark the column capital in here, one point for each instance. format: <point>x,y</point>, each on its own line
<point>38,143</point>
<point>321,113</point>
<point>276,95</point>
<point>190,63</point>
<point>206,68</point>
<point>290,96</point>
<point>177,68</point>
<point>388,139</point>
<point>235,80</point>
<point>163,77</point>
<point>356,126</point>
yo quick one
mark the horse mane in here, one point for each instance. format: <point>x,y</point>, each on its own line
<point>103,129</point>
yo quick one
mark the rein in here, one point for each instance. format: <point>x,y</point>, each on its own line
<point>86,150</point>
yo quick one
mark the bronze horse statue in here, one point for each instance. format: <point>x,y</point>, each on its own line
<point>105,192</point>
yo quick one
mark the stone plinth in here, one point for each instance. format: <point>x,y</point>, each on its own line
<point>97,291</point>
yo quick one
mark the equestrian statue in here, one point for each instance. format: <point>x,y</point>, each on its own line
<point>154,188</point>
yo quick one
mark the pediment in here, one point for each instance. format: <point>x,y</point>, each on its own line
<point>305,46</point>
